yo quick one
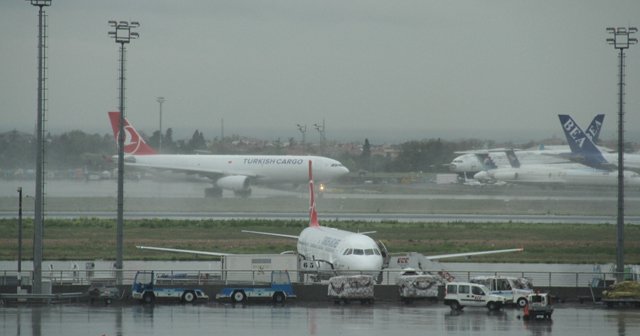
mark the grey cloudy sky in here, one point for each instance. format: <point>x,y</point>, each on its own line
<point>386,70</point>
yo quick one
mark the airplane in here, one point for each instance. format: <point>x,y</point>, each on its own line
<point>469,163</point>
<point>584,150</point>
<point>336,251</point>
<point>554,175</point>
<point>231,172</point>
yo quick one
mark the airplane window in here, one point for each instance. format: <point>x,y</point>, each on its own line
<point>377,251</point>
<point>358,251</point>
<point>348,251</point>
<point>368,251</point>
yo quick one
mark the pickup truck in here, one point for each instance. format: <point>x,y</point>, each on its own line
<point>278,291</point>
<point>144,289</point>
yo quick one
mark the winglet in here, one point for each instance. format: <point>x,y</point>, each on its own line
<point>313,214</point>
<point>133,142</point>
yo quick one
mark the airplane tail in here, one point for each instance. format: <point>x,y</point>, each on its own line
<point>133,142</point>
<point>580,143</point>
<point>513,159</point>
<point>313,214</point>
<point>487,161</point>
<point>593,131</point>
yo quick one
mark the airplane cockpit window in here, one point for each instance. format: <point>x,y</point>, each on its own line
<point>377,252</point>
<point>368,252</point>
<point>336,165</point>
<point>348,251</point>
<point>358,251</point>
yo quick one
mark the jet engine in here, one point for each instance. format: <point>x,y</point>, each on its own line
<point>506,176</point>
<point>237,183</point>
<point>483,176</point>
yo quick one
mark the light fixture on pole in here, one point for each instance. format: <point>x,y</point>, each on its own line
<point>123,35</point>
<point>621,40</point>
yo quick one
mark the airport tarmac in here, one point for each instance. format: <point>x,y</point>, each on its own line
<point>298,319</point>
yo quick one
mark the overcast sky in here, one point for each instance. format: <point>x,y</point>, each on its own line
<point>385,70</point>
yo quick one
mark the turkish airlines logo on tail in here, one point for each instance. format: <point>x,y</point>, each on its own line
<point>132,140</point>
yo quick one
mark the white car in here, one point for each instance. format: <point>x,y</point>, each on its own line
<point>462,294</point>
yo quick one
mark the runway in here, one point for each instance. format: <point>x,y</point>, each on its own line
<point>428,202</point>
<point>372,217</point>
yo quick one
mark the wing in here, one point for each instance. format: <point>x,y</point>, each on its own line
<point>165,249</point>
<point>469,254</point>
<point>177,167</point>
<point>272,234</point>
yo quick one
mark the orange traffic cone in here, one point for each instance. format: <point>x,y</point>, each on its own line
<point>525,315</point>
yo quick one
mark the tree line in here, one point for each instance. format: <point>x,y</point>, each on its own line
<point>94,152</point>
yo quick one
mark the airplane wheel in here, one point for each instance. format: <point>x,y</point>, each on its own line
<point>188,297</point>
<point>238,297</point>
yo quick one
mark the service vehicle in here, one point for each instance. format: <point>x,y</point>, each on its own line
<point>104,290</point>
<point>538,307</point>
<point>624,293</point>
<point>278,291</point>
<point>516,290</point>
<point>144,289</point>
<point>415,286</point>
<point>347,288</point>
<point>462,294</point>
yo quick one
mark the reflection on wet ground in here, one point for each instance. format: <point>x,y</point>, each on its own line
<point>318,319</point>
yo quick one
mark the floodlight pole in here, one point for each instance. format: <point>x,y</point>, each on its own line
<point>160,100</point>
<point>123,35</point>
<point>303,131</point>
<point>621,40</point>
<point>19,230</point>
<point>38,223</point>
<point>323,136</point>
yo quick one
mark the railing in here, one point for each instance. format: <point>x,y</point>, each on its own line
<point>198,277</point>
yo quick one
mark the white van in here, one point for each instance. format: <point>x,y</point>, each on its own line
<point>461,294</point>
<point>515,290</point>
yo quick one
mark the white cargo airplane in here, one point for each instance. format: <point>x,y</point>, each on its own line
<point>586,152</point>
<point>335,250</point>
<point>471,162</point>
<point>231,172</point>
<point>561,174</point>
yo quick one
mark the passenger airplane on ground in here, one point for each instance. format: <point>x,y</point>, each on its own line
<point>231,172</point>
<point>586,152</point>
<point>560,174</point>
<point>335,250</point>
<point>470,163</point>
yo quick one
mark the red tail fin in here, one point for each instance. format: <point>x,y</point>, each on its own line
<point>313,214</point>
<point>133,142</point>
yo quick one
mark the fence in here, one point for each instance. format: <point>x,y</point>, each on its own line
<point>389,276</point>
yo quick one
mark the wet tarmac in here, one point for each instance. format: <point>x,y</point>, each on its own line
<point>296,319</point>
